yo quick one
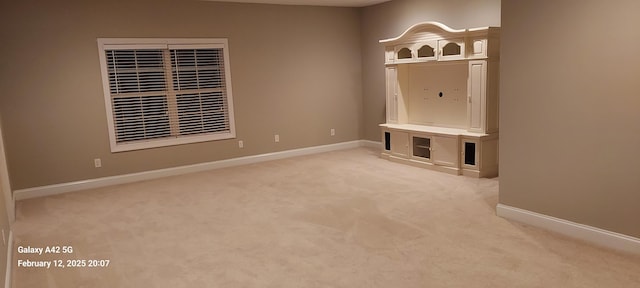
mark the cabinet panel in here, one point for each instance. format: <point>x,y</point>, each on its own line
<point>438,93</point>
<point>390,55</point>
<point>489,158</point>
<point>445,151</point>
<point>402,93</point>
<point>399,143</point>
<point>392,95</point>
<point>477,92</point>
<point>478,48</point>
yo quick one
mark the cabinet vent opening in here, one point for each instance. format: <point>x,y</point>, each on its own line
<point>387,141</point>
<point>469,153</point>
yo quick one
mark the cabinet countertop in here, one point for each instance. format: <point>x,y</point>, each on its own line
<point>432,129</point>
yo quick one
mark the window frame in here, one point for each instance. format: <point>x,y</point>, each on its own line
<point>105,44</point>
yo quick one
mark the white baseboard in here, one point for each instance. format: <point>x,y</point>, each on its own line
<point>9,270</point>
<point>49,190</point>
<point>583,232</point>
<point>371,144</point>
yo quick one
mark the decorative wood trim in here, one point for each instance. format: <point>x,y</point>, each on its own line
<point>428,24</point>
<point>587,233</point>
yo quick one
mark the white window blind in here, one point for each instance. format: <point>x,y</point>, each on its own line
<point>167,94</point>
<point>198,78</point>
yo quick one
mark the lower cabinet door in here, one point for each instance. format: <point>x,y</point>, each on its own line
<point>445,151</point>
<point>399,143</point>
<point>421,147</point>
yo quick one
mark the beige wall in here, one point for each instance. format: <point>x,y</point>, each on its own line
<point>392,18</point>
<point>296,71</point>
<point>570,111</point>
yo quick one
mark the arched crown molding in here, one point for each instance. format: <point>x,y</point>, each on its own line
<point>430,27</point>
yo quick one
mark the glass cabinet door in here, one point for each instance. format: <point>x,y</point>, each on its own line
<point>421,147</point>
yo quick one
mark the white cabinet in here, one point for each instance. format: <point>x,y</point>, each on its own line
<point>451,49</point>
<point>392,95</point>
<point>421,147</point>
<point>478,47</point>
<point>396,94</point>
<point>445,150</point>
<point>479,156</point>
<point>441,149</point>
<point>476,101</point>
<point>470,156</point>
<point>426,50</point>
<point>442,90</point>
<point>399,143</point>
<point>437,149</point>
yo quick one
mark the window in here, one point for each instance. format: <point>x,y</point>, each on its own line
<point>161,92</point>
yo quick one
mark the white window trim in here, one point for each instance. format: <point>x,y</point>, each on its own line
<point>162,43</point>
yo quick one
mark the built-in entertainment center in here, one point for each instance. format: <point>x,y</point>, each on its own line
<point>442,99</point>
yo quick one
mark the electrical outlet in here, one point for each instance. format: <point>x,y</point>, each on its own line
<point>240,144</point>
<point>333,132</point>
<point>276,138</point>
<point>97,162</point>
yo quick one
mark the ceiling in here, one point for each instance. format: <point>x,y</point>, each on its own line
<point>340,3</point>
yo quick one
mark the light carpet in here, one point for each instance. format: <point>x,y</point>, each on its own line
<point>339,219</point>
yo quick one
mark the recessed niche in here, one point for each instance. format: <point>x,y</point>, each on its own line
<point>451,49</point>
<point>470,153</point>
<point>387,141</point>
<point>426,51</point>
<point>404,53</point>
